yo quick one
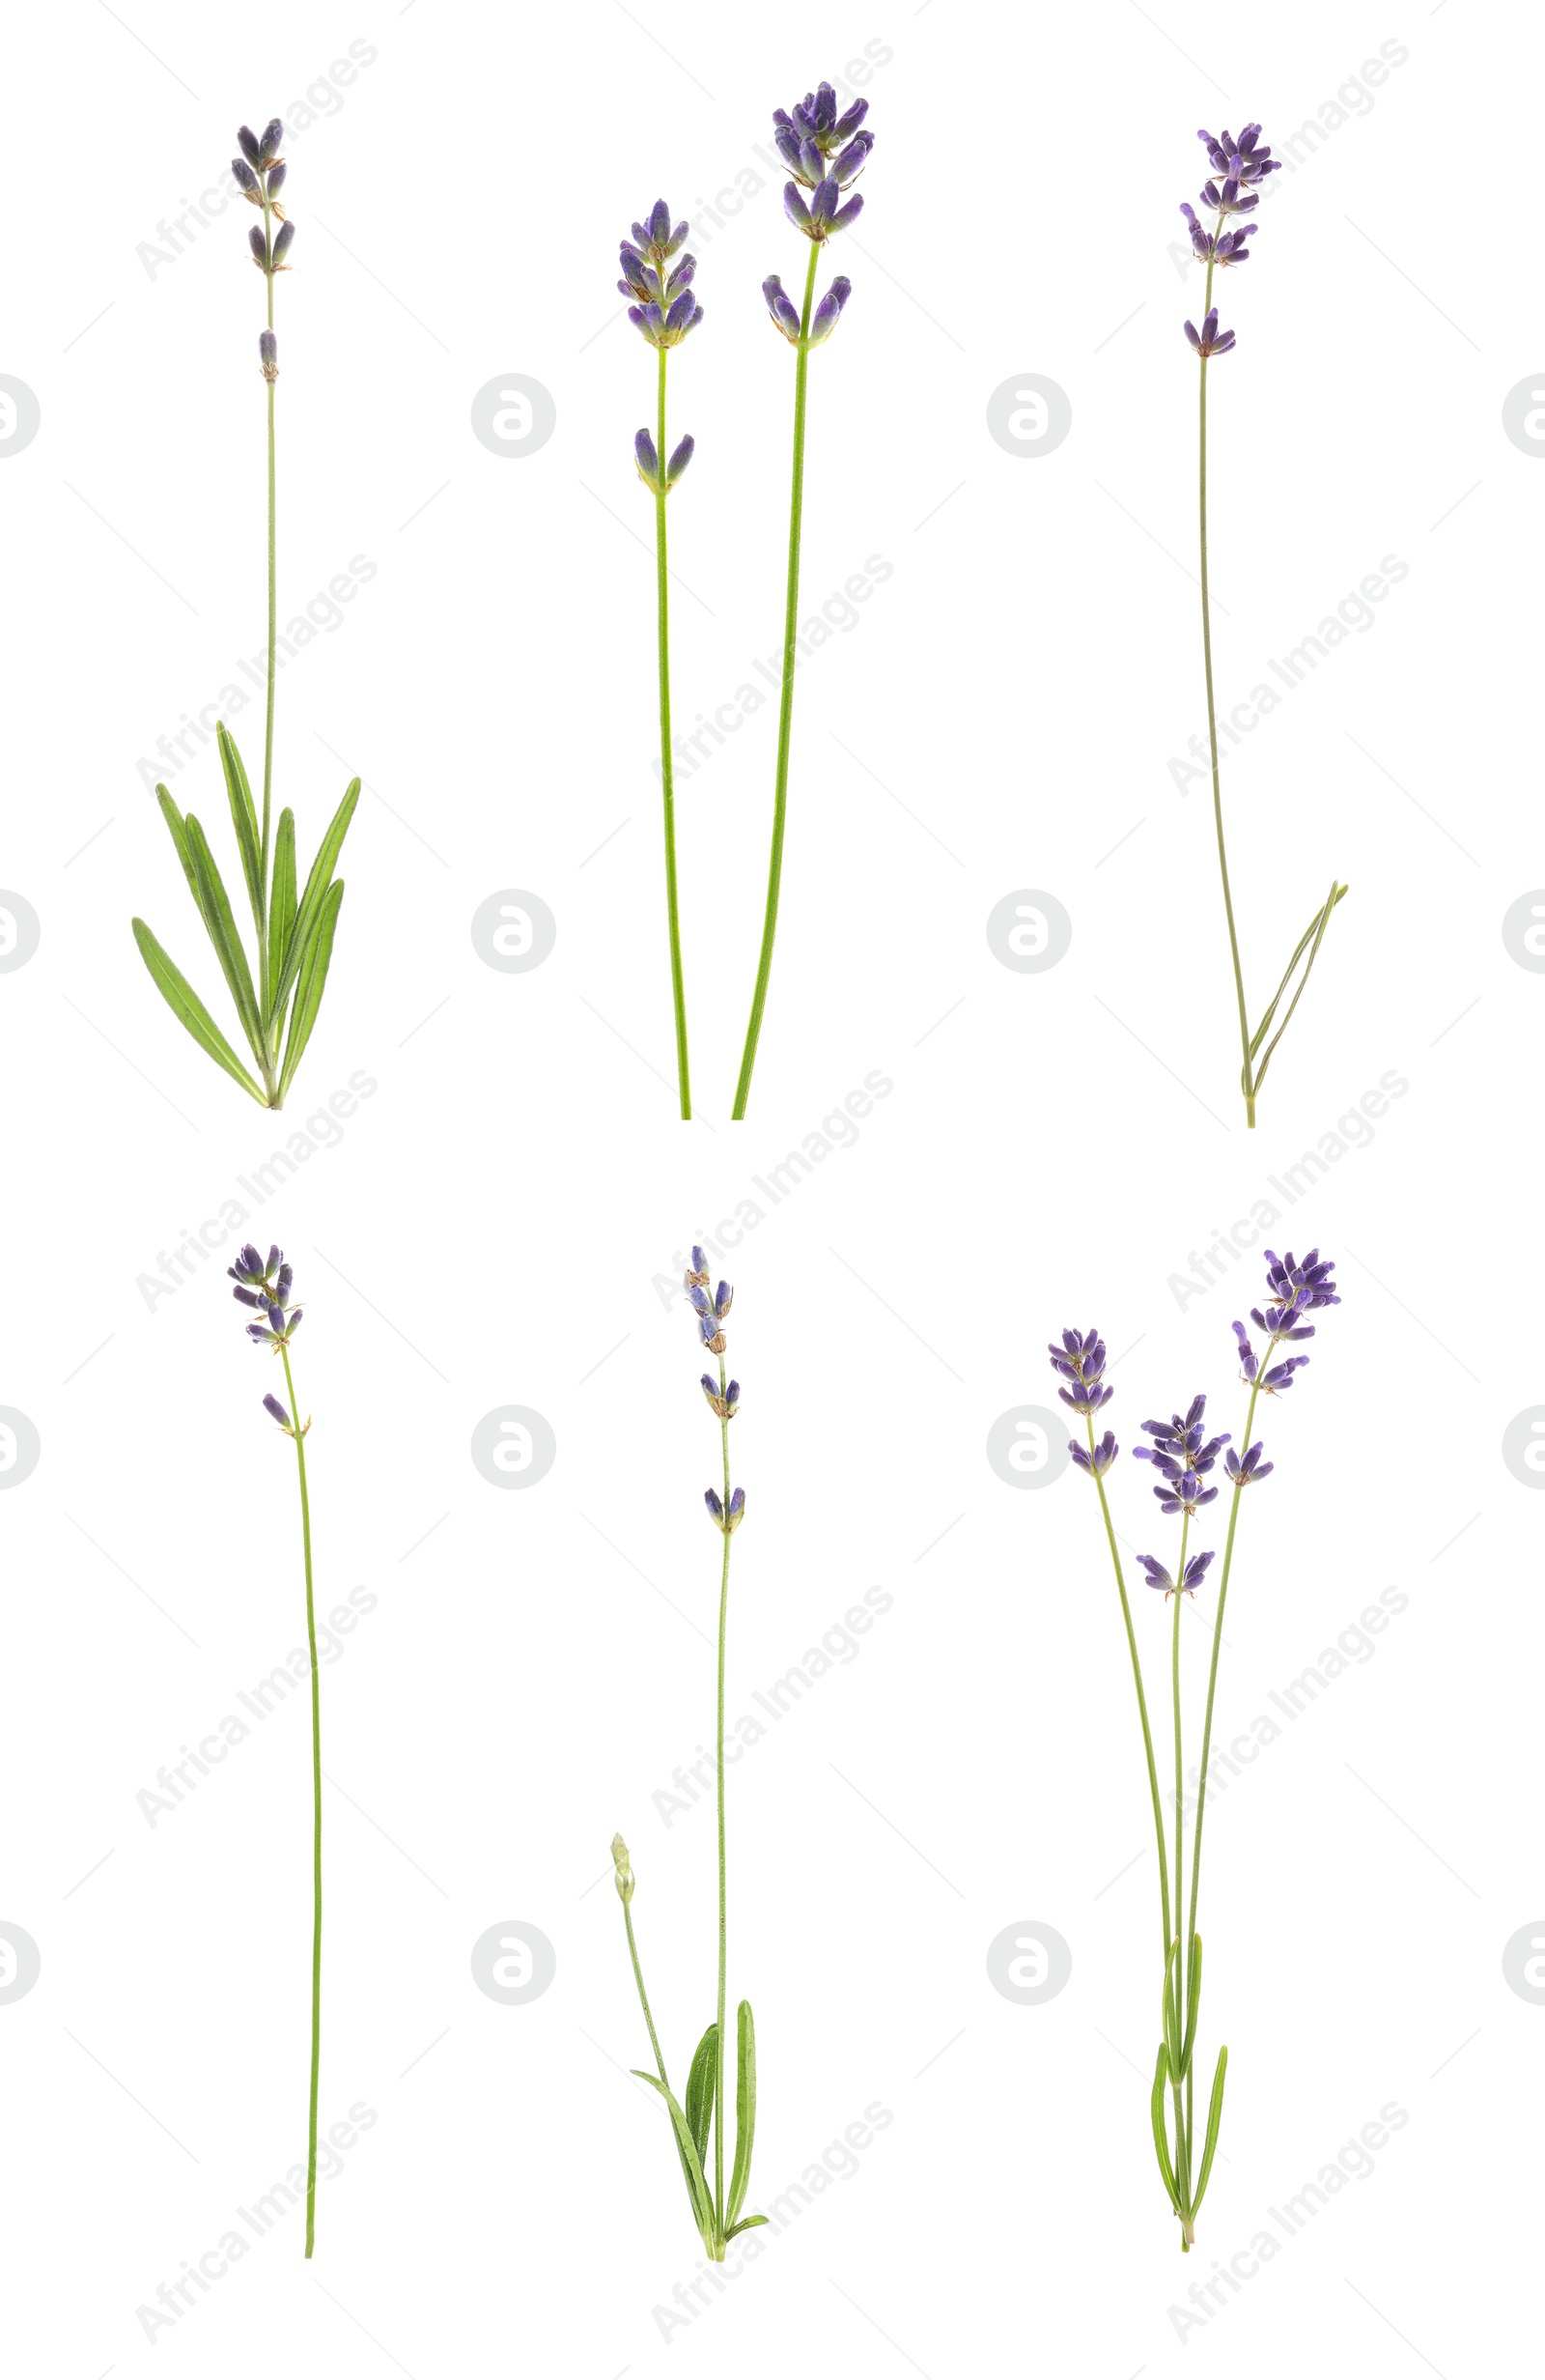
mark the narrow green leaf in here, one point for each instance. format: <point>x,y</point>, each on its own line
<point>244,819</point>
<point>311,901</point>
<point>1192,2003</point>
<point>1336,893</point>
<point>747,2222</point>
<point>745,2108</point>
<point>215,904</point>
<point>235,776</point>
<point>692,2163</point>
<point>1215,2116</point>
<point>179,833</point>
<point>186,1006</point>
<point>1170,2011</point>
<point>282,896</point>
<point>312,985</point>
<point>700,2089</point>
<point>1160,2141</point>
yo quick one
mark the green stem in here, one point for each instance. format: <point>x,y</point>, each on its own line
<point>666,769</point>
<point>1182,2137</point>
<point>1246,1077</point>
<point>643,1998</point>
<point>316,1786</point>
<point>1142,1703</point>
<point>791,608</point>
<point>720,2101</point>
<point>1218,1638</point>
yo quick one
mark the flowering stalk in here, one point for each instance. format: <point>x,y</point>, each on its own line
<point>718,2217</point>
<point>666,310</point>
<point>1239,168</point>
<point>825,153</point>
<point>277,1005</point>
<point>266,1286</point>
<point>1184,1457</point>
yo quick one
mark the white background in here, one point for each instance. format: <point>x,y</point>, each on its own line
<point>490,1225</point>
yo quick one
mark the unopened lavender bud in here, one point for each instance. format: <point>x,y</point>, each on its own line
<point>275,1319</point>
<point>795,207</point>
<point>251,146</point>
<point>679,460</point>
<point>272,1405</point>
<point>724,1300</point>
<point>283,245</point>
<point>246,180</point>
<point>851,162</point>
<point>276,175</point>
<point>272,141</point>
<point>736,1513</point>
<point>624,1879</point>
<point>286,1272</point>
<point>647,460</point>
<point>824,321</point>
<point>660,224</point>
<point>780,305</point>
<point>258,246</point>
<point>716,1510</point>
<point>268,354</point>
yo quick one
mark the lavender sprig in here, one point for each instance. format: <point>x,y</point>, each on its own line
<point>1183,1455</point>
<point>1239,169</point>
<point>825,150</point>
<point>658,276</point>
<point>266,1285</point>
<point>277,1003</point>
<point>717,2216</point>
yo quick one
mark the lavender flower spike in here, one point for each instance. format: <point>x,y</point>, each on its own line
<point>1081,1361</point>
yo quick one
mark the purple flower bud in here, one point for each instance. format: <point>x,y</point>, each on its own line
<point>647,460</point>
<point>272,142</point>
<point>716,1510</point>
<point>273,1406</point>
<point>795,207</point>
<point>782,307</point>
<point>268,355</point>
<point>246,180</point>
<point>276,175</point>
<point>275,1320</point>
<point>679,461</point>
<point>283,245</point>
<point>737,1510</point>
<point>258,246</point>
<point>851,161</point>
<point>723,1300</point>
<point>824,321</point>
<point>850,120</point>
<point>250,147</point>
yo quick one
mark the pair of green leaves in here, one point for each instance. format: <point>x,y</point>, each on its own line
<point>294,935</point>
<point>693,2123</point>
<point>1310,940</point>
